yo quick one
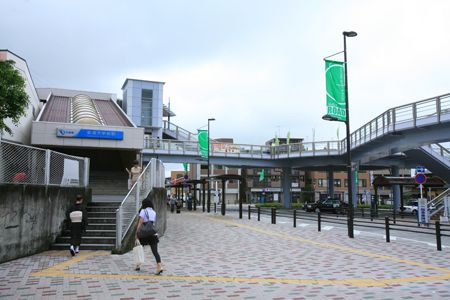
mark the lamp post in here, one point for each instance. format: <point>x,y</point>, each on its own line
<point>208,205</point>
<point>347,125</point>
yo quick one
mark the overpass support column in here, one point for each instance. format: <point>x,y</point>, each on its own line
<point>330,185</point>
<point>396,188</point>
<point>286,184</point>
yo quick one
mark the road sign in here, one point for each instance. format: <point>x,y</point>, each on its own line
<point>421,178</point>
<point>420,169</point>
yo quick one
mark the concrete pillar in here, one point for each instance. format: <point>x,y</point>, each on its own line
<point>286,185</point>
<point>330,186</point>
<point>395,171</point>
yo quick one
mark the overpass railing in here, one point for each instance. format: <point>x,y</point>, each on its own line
<point>421,113</point>
<point>180,133</point>
<point>152,176</point>
<point>218,149</point>
<point>22,164</point>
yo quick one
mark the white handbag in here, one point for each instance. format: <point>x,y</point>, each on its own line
<point>138,254</point>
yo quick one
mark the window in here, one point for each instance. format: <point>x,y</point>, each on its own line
<point>321,182</point>
<point>345,182</point>
<point>337,183</point>
<point>362,182</point>
<point>146,108</point>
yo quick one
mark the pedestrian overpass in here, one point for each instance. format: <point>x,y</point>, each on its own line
<point>401,137</point>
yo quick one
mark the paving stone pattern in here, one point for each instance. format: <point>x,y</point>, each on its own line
<point>214,257</point>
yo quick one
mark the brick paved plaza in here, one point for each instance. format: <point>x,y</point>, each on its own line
<point>214,257</point>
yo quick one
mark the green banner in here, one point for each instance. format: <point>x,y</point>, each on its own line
<point>334,75</point>
<point>185,167</point>
<point>203,142</point>
<point>261,175</point>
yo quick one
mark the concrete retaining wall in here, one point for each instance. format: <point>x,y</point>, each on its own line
<point>32,216</point>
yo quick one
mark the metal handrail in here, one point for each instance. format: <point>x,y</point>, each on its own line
<point>152,176</point>
<point>421,113</point>
<point>438,202</point>
<point>180,132</point>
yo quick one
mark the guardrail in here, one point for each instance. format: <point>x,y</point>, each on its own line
<point>421,113</point>
<point>180,133</point>
<point>152,176</point>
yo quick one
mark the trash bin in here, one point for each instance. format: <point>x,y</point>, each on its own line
<point>178,207</point>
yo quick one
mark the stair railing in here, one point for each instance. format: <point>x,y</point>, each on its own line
<point>152,176</point>
<point>438,202</point>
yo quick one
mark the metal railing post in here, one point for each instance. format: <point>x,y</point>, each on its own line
<point>249,212</point>
<point>86,171</point>
<point>118,228</point>
<point>47,167</point>
<point>259,213</point>
<point>137,195</point>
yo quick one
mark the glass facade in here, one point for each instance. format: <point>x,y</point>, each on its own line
<point>146,107</point>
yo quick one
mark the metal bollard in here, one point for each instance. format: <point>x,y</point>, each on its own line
<point>319,221</point>
<point>388,238</point>
<point>362,212</point>
<point>274,216</point>
<point>295,218</point>
<point>271,215</point>
<point>394,216</point>
<point>259,213</point>
<point>215,208</point>
<point>249,212</point>
<point>240,210</point>
<point>350,227</point>
<point>438,236</point>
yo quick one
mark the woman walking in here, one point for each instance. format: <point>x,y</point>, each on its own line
<point>134,173</point>
<point>147,214</point>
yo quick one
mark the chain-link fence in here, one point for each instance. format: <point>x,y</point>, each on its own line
<point>29,165</point>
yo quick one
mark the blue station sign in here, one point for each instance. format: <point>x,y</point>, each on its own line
<point>90,134</point>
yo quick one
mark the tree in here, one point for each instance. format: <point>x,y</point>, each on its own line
<point>13,97</point>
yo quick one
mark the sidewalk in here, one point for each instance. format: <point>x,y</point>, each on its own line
<point>214,257</point>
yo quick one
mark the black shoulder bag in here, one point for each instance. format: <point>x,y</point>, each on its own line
<point>147,230</point>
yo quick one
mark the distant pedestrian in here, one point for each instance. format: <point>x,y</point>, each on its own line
<point>134,173</point>
<point>147,214</point>
<point>76,217</point>
<point>173,202</point>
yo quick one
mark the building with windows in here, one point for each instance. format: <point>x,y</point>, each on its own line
<point>143,103</point>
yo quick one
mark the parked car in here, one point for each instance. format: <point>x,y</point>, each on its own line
<point>328,205</point>
<point>412,207</point>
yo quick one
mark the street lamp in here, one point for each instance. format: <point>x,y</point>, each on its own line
<point>347,125</point>
<point>208,208</point>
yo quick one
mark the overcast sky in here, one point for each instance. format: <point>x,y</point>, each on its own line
<point>254,65</point>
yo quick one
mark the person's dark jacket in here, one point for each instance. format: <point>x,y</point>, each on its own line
<point>77,209</point>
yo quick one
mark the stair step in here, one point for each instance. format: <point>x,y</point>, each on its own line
<point>97,220</point>
<point>101,226</point>
<point>102,209</point>
<point>101,214</point>
<point>111,204</point>
<point>65,246</point>
<point>88,240</point>
<point>95,232</point>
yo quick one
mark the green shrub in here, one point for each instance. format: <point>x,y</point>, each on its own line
<point>269,204</point>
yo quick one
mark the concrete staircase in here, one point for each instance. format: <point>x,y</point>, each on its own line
<point>101,229</point>
<point>109,183</point>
